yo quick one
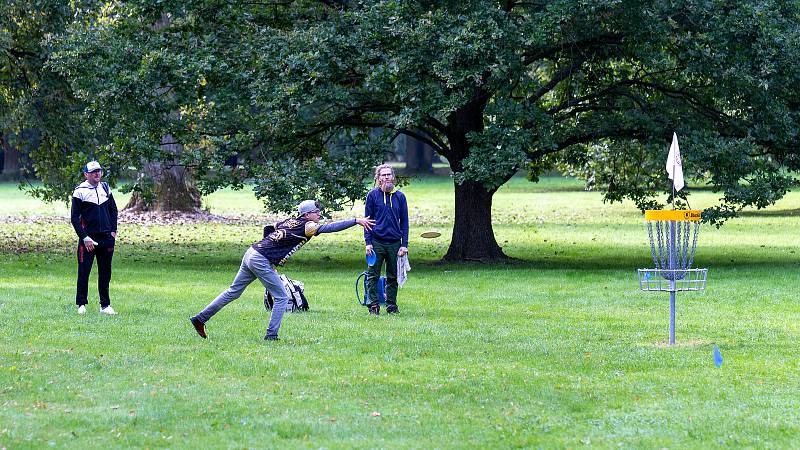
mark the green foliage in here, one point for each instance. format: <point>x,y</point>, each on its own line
<point>494,86</point>
<point>39,113</point>
<point>720,78</point>
<point>200,74</point>
<point>595,88</point>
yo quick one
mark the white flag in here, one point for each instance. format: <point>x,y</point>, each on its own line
<point>674,166</point>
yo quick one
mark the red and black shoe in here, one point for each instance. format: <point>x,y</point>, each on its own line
<point>198,326</point>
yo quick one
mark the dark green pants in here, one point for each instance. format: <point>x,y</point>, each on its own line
<point>384,253</point>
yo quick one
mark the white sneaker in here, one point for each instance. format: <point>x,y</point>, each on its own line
<point>108,310</point>
<point>82,309</point>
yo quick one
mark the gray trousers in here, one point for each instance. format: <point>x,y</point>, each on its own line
<point>254,265</point>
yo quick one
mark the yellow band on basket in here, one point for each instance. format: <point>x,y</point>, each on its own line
<point>690,215</point>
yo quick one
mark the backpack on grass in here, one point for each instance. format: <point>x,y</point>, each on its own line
<point>294,289</point>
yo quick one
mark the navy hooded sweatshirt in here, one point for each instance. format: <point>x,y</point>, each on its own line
<point>390,212</point>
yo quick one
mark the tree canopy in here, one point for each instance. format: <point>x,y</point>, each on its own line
<point>39,115</point>
<point>307,94</point>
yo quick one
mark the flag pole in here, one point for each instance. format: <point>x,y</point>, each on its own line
<point>673,193</point>
<point>673,182</point>
<point>674,167</point>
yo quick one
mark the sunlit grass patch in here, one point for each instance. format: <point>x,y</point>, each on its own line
<point>557,348</point>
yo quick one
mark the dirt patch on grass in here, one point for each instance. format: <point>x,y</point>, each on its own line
<point>154,218</point>
<point>688,343</point>
<point>183,218</point>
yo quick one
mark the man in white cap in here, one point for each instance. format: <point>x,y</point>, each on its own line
<point>94,218</point>
<point>261,258</point>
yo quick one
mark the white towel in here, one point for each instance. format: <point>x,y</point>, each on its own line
<point>403,267</point>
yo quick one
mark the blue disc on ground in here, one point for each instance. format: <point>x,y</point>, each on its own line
<point>371,259</point>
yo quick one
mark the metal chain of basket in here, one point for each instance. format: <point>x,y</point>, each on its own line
<point>684,253</point>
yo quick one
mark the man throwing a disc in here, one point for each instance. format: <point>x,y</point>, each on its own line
<point>388,239</point>
<point>261,258</point>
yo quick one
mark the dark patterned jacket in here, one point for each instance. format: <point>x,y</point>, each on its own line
<point>293,233</point>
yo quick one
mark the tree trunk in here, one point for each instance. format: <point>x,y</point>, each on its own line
<point>173,187</point>
<point>173,190</point>
<point>473,236</point>
<point>419,156</point>
<point>10,160</point>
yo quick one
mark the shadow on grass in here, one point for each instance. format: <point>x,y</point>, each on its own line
<point>576,259</point>
<point>772,213</point>
<point>204,257</point>
<point>545,189</point>
<point>620,263</point>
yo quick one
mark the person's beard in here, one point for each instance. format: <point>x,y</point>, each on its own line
<point>387,186</point>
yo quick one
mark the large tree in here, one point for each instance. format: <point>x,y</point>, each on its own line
<point>295,89</point>
<point>44,122</point>
<point>38,113</point>
<point>193,71</point>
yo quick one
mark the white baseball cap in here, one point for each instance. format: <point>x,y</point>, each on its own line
<point>92,166</point>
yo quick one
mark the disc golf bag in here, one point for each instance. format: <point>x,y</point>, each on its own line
<point>294,290</point>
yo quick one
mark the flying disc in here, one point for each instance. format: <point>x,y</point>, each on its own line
<point>431,234</point>
<point>371,259</point>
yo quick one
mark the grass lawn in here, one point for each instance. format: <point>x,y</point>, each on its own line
<point>558,349</point>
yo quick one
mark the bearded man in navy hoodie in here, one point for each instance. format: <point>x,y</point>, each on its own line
<point>388,239</point>
<point>94,218</point>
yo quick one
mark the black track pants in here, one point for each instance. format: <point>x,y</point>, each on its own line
<point>104,252</point>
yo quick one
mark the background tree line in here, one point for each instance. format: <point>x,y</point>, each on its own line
<point>302,97</point>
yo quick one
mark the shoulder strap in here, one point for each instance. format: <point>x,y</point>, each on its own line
<point>268,229</point>
<point>106,188</point>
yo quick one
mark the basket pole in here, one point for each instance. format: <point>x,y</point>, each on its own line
<point>672,313</point>
<point>672,266</point>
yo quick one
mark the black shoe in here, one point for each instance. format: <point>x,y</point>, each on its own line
<point>392,309</point>
<point>271,338</point>
<point>375,309</point>
<point>198,326</point>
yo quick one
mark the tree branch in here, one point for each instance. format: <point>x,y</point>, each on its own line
<point>562,75</point>
<point>590,136</point>
<point>422,138</point>
<point>602,40</point>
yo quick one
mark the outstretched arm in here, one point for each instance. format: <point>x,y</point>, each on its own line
<point>340,225</point>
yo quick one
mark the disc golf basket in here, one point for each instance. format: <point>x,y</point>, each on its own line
<point>673,239</point>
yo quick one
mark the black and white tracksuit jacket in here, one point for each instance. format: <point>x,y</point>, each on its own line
<point>94,211</point>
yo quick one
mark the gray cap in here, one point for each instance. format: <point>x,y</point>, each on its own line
<point>307,206</point>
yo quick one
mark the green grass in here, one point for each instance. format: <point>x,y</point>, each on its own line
<point>558,349</point>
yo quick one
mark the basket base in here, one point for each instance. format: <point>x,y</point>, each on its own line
<point>676,280</point>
